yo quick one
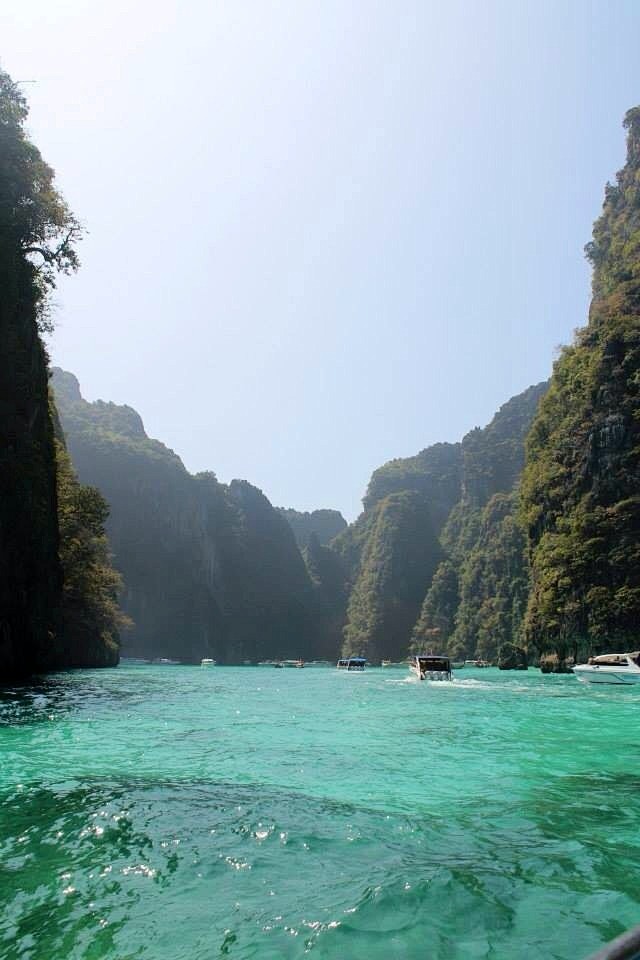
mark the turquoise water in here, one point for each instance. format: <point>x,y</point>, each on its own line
<point>175,812</point>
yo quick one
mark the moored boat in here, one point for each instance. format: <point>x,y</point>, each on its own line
<point>207,662</point>
<point>293,663</point>
<point>612,668</point>
<point>427,666</point>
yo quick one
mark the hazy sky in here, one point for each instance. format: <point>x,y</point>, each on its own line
<point>322,235</point>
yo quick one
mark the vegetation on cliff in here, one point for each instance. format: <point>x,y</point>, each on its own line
<point>581,485</point>
<point>398,560</point>
<point>39,625</point>
<point>391,551</point>
<point>91,619</point>
<point>437,559</point>
<point>476,603</point>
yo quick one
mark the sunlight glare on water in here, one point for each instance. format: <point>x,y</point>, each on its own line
<point>174,812</point>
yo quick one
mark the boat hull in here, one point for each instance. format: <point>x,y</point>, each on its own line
<point>624,676</point>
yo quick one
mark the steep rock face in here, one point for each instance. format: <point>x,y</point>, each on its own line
<point>391,551</point>
<point>323,524</point>
<point>398,561</point>
<point>30,574</point>
<point>209,569</point>
<point>31,217</point>
<point>580,493</point>
<point>475,605</point>
<point>58,593</point>
<point>330,594</point>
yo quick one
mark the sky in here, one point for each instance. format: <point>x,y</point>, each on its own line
<point>324,234</point>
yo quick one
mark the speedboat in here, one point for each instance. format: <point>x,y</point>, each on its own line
<point>293,663</point>
<point>619,668</point>
<point>476,663</point>
<point>352,663</point>
<point>426,666</point>
<point>207,662</point>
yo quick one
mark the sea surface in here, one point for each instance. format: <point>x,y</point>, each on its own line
<point>168,812</point>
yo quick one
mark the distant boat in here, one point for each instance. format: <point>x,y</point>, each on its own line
<point>292,663</point>
<point>427,666</point>
<point>207,662</point>
<point>613,668</point>
<point>352,663</point>
<point>166,662</point>
<point>477,663</point>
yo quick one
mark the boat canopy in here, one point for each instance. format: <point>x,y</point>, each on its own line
<point>429,661</point>
<point>615,659</point>
<point>352,663</point>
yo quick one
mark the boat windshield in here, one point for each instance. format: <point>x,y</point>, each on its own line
<point>434,663</point>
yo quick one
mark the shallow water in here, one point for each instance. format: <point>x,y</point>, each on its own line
<point>164,812</point>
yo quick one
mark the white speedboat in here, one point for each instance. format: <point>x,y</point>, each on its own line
<point>619,668</point>
<point>426,666</point>
<point>207,662</point>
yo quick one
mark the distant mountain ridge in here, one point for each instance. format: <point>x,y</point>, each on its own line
<point>324,524</point>
<point>209,569</point>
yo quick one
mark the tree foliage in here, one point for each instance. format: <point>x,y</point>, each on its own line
<point>38,231</point>
<point>91,617</point>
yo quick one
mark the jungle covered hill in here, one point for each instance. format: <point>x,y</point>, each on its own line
<point>437,559</point>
